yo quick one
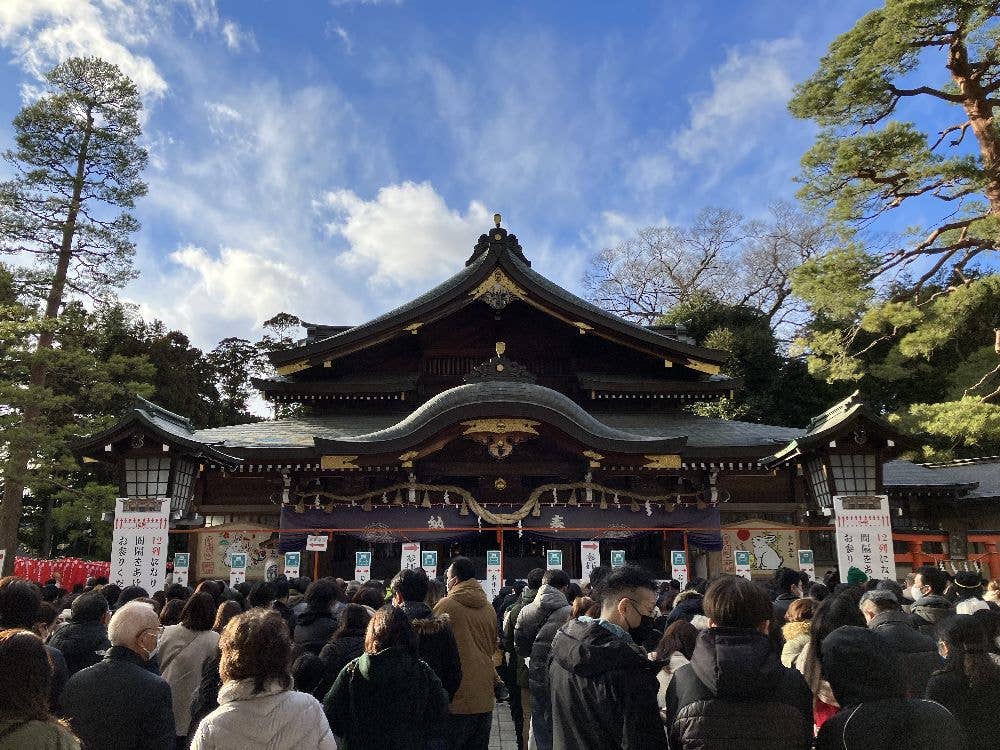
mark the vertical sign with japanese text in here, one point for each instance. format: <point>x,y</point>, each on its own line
<point>429,562</point>
<point>411,556</point>
<point>590,558</point>
<point>237,568</point>
<point>864,535</point>
<point>617,558</point>
<point>678,566</point>
<point>553,559</point>
<point>182,563</point>
<point>362,566</point>
<point>293,561</point>
<point>742,558</point>
<point>139,542</point>
<point>807,563</point>
<point>492,583</point>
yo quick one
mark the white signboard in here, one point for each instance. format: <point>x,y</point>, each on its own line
<point>807,563</point>
<point>590,558</point>
<point>317,542</point>
<point>182,563</point>
<point>864,535</point>
<point>679,568</point>
<point>293,561</point>
<point>237,568</point>
<point>411,556</point>
<point>553,559</point>
<point>429,562</point>
<point>492,583</point>
<point>742,562</point>
<point>362,566</point>
<point>617,558</point>
<point>139,542</point>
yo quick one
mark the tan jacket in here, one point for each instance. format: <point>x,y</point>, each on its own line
<point>474,623</point>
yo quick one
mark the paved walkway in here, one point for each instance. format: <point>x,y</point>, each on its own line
<point>502,736</point>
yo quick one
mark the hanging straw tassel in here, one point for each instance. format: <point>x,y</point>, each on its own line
<point>604,502</point>
<point>385,498</point>
<point>427,500</point>
<point>398,498</point>
<point>537,510</point>
<point>572,499</point>
<point>367,506</point>
<point>464,510</point>
<point>634,507</point>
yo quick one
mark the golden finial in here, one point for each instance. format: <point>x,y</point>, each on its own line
<point>496,220</point>
<point>501,348</point>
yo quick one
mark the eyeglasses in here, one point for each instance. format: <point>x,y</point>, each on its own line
<point>158,630</point>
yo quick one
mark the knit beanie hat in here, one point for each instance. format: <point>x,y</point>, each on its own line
<point>855,577</point>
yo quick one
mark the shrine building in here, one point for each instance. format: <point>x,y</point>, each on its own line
<point>500,411</point>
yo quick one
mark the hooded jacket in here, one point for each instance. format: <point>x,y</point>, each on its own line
<point>796,635</point>
<point>603,690</point>
<point>687,605</point>
<point>736,693</point>
<point>866,679</point>
<point>536,626</point>
<point>510,621</point>
<point>275,718</point>
<point>391,699</point>
<point>436,645</point>
<point>974,708</point>
<point>473,622</point>
<point>313,629</point>
<point>336,655</point>
<point>82,644</point>
<point>918,655</point>
<point>928,611</point>
<point>183,654</point>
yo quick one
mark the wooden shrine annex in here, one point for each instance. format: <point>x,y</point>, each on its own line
<point>500,411</point>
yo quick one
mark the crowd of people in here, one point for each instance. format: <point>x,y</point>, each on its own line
<point>421,664</point>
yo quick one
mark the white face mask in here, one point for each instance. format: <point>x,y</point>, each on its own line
<point>915,593</point>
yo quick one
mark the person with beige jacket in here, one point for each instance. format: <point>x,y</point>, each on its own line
<point>473,620</point>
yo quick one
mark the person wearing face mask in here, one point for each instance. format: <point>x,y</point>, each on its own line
<point>536,625</point>
<point>735,692</point>
<point>118,704</point>
<point>930,606</point>
<point>601,683</point>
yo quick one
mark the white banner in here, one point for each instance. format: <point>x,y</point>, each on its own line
<point>864,535</point>
<point>411,556</point>
<point>742,558</point>
<point>139,542</point>
<point>317,542</point>
<point>293,561</point>
<point>182,563</point>
<point>590,558</point>
<point>492,583</point>
<point>807,563</point>
<point>237,568</point>
<point>678,564</point>
<point>362,566</point>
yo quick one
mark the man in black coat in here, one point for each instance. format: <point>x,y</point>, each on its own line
<point>788,584</point>
<point>436,641</point>
<point>119,704</point>
<point>930,605</point>
<point>316,624</point>
<point>918,653</point>
<point>536,626</point>
<point>602,684</point>
<point>867,683</point>
<point>735,693</point>
<point>84,639</point>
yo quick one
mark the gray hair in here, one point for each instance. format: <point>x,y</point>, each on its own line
<point>881,599</point>
<point>130,620</point>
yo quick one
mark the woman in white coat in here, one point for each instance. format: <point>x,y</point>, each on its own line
<point>184,649</point>
<point>257,707</point>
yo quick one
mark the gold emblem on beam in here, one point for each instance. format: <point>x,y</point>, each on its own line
<point>663,461</point>
<point>338,462</point>
<point>500,426</point>
<point>413,328</point>
<point>703,367</point>
<point>407,459</point>
<point>293,367</point>
<point>595,458</point>
<point>498,282</point>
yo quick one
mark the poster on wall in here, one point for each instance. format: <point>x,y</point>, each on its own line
<point>771,545</point>
<point>139,542</point>
<point>182,563</point>
<point>217,544</point>
<point>411,556</point>
<point>590,558</point>
<point>864,535</point>
<point>678,567</point>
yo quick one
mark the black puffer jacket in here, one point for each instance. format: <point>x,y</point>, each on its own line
<point>536,626</point>
<point>313,629</point>
<point>603,690</point>
<point>928,611</point>
<point>437,645</point>
<point>974,708</point>
<point>82,644</point>
<point>686,606</point>
<point>735,693</point>
<point>918,654</point>
<point>336,654</point>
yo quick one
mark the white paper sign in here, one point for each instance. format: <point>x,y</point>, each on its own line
<point>742,562</point>
<point>362,566</point>
<point>139,542</point>
<point>807,563</point>
<point>411,556</point>
<point>590,558</point>
<point>553,559</point>
<point>237,568</point>
<point>182,563</point>
<point>293,561</point>
<point>429,562</point>
<point>317,542</point>
<point>617,558</point>
<point>864,535</point>
<point>679,569</point>
<point>493,564</point>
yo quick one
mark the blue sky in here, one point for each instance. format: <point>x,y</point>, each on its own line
<point>333,159</point>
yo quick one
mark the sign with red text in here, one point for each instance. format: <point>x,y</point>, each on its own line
<point>864,535</point>
<point>590,558</point>
<point>493,564</point>
<point>411,556</point>
<point>139,542</point>
<point>182,563</point>
<point>362,566</point>
<point>679,566</point>
<point>317,542</point>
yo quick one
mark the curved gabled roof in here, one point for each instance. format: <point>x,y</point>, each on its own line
<point>500,399</point>
<point>501,251</point>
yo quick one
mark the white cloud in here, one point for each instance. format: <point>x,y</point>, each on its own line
<point>204,13</point>
<point>406,236</point>
<point>341,33</point>
<point>236,38</point>
<point>42,33</point>
<point>341,3</point>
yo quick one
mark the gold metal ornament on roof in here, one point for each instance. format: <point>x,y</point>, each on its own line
<point>500,484</point>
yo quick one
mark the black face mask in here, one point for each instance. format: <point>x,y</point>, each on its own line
<point>645,630</point>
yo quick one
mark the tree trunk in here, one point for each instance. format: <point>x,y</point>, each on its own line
<point>980,112</point>
<point>20,454</point>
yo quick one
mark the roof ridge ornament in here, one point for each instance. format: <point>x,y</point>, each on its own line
<point>498,241</point>
<point>500,367</point>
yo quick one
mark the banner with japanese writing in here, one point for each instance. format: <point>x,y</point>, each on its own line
<point>678,566</point>
<point>493,566</point>
<point>139,542</point>
<point>590,558</point>
<point>411,556</point>
<point>182,563</point>
<point>864,535</point>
